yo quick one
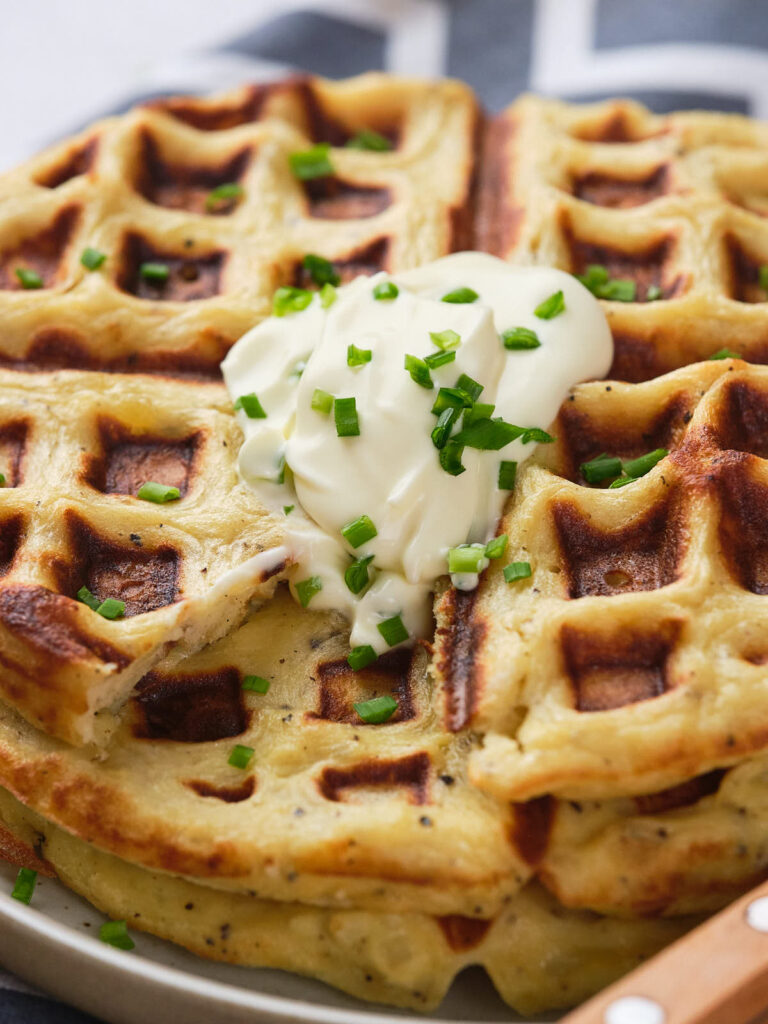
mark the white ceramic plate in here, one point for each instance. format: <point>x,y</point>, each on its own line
<point>54,945</point>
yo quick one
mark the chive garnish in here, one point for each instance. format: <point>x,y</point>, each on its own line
<point>385,291</point>
<point>251,406</point>
<point>450,458</point>
<point>306,589</point>
<point>507,475</point>
<point>85,596</point>
<point>517,571</point>
<point>220,194</point>
<point>356,576</point>
<point>437,359</point>
<point>419,372</point>
<point>256,684</point>
<point>240,756</point>
<point>488,435</point>
<point>467,558</point>
<point>92,259</point>
<point>321,270</point>
<point>376,710</point>
<point>158,493</point>
<point>115,933</point>
<point>358,356</point>
<point>290,300</point>
<point>725,353</point>
<point>2,479</point>
<point>762,276</point>
<point>469,386</point>
<point>314,162</point>
<point>369,139</point>
<point>461,296</point>
<point>602,467</point>
<point>653,293</point>
<point>29,278</point>
<point>327,296</point>
<point>359,531</point>
<point>551,307</point>
<point>360,657</point>
<point>598,280</point>
<point>622,481</point>
<point>25,885</point>
<point>451,398</point>
<point>287,509</point>
<point>495,548</point>
<point>280,478</point>
<point>443,428</point>
<point>446,340</point>
<point>478,411</point>
<point>645,463</point>
<point>393,630</point>
<point>110,608</point>
<point>345,415</point>
<point>518,338</point>
<point>157,273</point>
<point>322,401</point>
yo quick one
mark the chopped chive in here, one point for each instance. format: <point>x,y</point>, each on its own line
<point>361,656</point>
<point>287,509</point>
<point>471,387</point>
<point>158,493</point>
<point>2,479</point>
<point>622,482</point>
<point>256,684</point>
<point>240,756</point>
<point>393,630</point>
<point>551,307</point>
<point>28,278</point>
<point>220,194</point>
<point>356,576</point>
<point>461,296</point>
<point>157,273</point>
<point>251,406</point>
<point>359,531</point>
<point>322,401</point>
<point>762,276</point>
<point>653,293</point>
<point>111,608</point>
<point>645,463</point>
<point>280,478</point>
<point>419,372</point>
<point>445,340</point>
<point>495,548</point>
<point>442,430</point>
<point>321,270</point>
<point>376,710</point>
<point>306,589</point>
<point>451,398</point>
<point>385,291</point>
<point>437,359</point>
<point>290,300</point>
<point>507,475</point>
<point>25,885</point>
<point>517,571</point>
<point>602,467</point>
<point>536,434</point>
<point>450,458</point>
<point>358,356</point>
<point>92,259</point>
<point>479,411</point>
<point>115,933</point>
<point>620,290</point>
<point>518,338</point>
<point>86,597</point>
<point>369,139</point>
<point>314,162</point>
<point>345,415</point>
<point>327,296</point>
<point>598,280</point>
<point>467,558</point>
<point>725,353</point>
<point>488,435</point>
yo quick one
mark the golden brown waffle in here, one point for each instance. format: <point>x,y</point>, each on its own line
<point>74,450</point>
<point>136,189</point>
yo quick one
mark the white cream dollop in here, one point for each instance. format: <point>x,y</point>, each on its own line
<point>391,471</point>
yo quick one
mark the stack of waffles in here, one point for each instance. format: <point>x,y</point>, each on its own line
<point>576,771</point>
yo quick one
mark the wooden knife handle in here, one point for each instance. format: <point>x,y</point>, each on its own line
<point>717,974</point>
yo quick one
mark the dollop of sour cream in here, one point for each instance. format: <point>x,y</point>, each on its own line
<point>391,471</point>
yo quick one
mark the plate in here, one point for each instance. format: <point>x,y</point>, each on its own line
<point>54,945</point>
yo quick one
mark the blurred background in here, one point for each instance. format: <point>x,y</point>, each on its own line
<point>63,64</point>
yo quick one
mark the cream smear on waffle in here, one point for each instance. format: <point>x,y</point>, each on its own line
<point>391,472</point>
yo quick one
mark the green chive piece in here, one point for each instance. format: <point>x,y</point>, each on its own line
<point>158,493</point>
<point>450,458</point>
<point>371,140</point>
<point>460,296</point>
<point>359,531</point>
<point>25,885</point>
<point>157,273</point>
<point>622,481</point>
<point>321,270</point>
<point>620,290</point>
<point>287,509</point>
<point>467,558</point>
<point>327,296</point>
<point>360,657</point>
<point>222,193</point>
<point>356,576</point>
<point>536,434</point>
<point>393,630</point>
<point>115,933</point>
<point>725,353</point>
<point>92,259</point>
<point>603,286</point>
<point>437,359</point>
<point>345,415</point>
<point>28,278</point>
<point>445,340</point>
<point>653,293</point>
<point>290,300</point>
<point>507,475</point>
<point>442,431</point>
<point>111,608</point>
<point>451,398</point>
<point>419,372</point>
<point>256,684</point>
<point>322,401</point>
<point>280,478</point>
<point>86,597</point>
<point>488,435</point>
<point>2,479</point>
<point>471,387</point>
<point>251,406</point>
<point>762,276</point>
<point>306,589</point>
<point>314,162</point>
<point>241,756</point>
<point>551,307</point>
<point>376,710</point>
<point>479,411</point>
<point>602,467</point>
<point>495,548</point>
<point>358,356</point>
<point>385,291</point>
<point>518,338</point>
<point>517,571</point>
<point>645,463</point>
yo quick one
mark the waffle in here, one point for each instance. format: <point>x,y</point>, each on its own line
<point>74,450</point>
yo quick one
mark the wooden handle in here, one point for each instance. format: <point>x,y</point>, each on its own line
<point>717,974</point>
